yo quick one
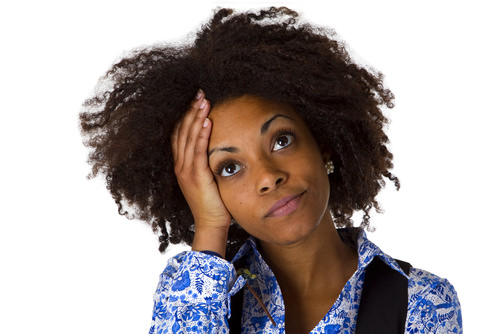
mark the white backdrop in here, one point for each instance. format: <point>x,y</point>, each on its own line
<point>70,264</point>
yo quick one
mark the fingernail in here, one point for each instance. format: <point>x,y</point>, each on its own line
<point>205,123</point>
<point>203,104</point>
<point>199,94</point>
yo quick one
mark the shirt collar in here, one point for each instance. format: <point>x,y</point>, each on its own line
<point>366,251</point>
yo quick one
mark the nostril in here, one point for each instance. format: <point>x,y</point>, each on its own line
<point>279,180</point>
<point>264,189</point>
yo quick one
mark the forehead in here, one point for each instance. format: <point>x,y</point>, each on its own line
<point>245,112</point>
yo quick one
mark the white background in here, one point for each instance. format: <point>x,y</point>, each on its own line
<point>70,264</point>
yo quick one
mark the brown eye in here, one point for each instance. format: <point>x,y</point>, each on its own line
<point>230,169</point>
<point>282,141</point>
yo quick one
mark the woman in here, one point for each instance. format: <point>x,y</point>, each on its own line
<point>281,143</point>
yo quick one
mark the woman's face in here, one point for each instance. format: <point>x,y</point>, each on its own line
<point>269,169</point>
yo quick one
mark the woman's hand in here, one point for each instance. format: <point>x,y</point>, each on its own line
<point>189,145</point>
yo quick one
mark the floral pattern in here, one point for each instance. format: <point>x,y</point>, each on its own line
<point>195,289</point>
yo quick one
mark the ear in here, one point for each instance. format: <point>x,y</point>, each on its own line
<point>326,156</point>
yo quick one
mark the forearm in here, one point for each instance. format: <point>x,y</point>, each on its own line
<point>193,293</point>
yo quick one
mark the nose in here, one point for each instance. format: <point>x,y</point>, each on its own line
<point>269,178</point>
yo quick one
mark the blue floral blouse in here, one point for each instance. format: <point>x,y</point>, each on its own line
<point>195,289</point>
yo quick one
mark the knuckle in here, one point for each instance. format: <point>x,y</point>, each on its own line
<point>198,151</point>
<point>199,114</point>
<point>189,140</point>
<point>194,105</point>
<point>202,135</point>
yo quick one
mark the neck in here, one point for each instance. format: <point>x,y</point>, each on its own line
<point>316,263</point>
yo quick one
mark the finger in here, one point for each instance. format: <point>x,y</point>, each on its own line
<point>194,133</point>
<point>186,123</point>
<point>173,140</point>
<point>200,150</point>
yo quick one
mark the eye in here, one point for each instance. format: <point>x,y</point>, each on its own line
<point>282,141</point>
<point>229,169</point>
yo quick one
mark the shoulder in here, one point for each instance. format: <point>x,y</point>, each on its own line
<point>433,305</point>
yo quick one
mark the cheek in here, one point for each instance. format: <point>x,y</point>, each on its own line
<point>236,200</point>
<point>318,177</point>
<point>241,207</point>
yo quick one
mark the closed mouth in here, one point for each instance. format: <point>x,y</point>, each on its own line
<point>285,206</point>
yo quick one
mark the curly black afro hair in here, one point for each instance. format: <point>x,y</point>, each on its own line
<point>127,124</point>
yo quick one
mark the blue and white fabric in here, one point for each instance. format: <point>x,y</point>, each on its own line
<point>195,289</point>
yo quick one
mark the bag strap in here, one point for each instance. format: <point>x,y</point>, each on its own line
<point>384,299</point>
<point>236,312</point>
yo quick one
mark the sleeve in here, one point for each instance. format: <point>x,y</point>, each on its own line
<point>433,305</point>
<point>193,295</point>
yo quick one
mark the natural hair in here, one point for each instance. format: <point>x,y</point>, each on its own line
<point>127,123</point>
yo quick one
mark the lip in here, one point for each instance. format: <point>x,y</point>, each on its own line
<point>285,206</point>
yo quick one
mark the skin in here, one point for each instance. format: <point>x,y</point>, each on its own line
<point>260,152</point>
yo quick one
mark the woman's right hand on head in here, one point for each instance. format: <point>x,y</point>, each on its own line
<point>189,146</point>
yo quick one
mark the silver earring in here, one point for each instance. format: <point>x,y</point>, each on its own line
<point>329,167</point>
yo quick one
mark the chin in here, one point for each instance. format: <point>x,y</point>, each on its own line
<point>290,235</point>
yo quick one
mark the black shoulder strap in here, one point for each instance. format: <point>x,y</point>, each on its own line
<point>236,311</point>
<point>236,304</point>
<point>384,299</point>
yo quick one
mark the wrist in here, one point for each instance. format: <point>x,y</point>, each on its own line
<point>212,253</point>
<point>211,239</point>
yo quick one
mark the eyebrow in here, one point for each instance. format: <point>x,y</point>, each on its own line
<point>230,149</point>
<point>263,130</point>
<point>265,126</point>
